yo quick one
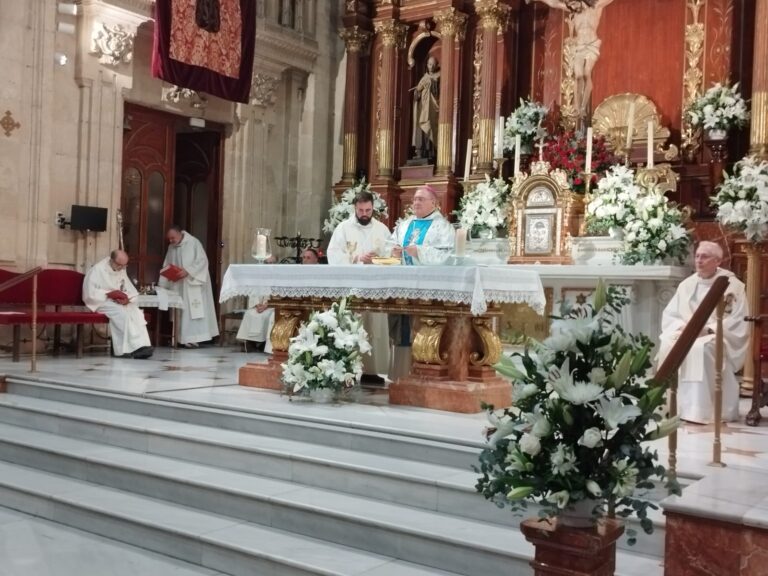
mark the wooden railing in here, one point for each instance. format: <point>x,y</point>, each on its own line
<point>18,280</point>
<point>671,364</point>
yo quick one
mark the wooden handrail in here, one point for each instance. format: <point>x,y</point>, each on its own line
<point>20,278</point>
<point>674,359</point>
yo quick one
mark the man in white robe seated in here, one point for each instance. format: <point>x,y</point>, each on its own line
<point>696,379</point>
<point>426,237</point>
<point>358,240</point>
<point>198,315</point>
<point>107,290</point>
<point>257,322</point>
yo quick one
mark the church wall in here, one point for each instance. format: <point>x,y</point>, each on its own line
<point>67,148</point>
<point>641,52</point>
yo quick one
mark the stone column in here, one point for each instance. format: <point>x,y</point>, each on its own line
<point>450,24</point>
<point>392,33</point>
<point>493,17</point>
<point>759,133</point>
<point>356,40</point>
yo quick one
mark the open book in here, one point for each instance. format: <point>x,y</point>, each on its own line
<point>117,296</point>
<point>172,272</point>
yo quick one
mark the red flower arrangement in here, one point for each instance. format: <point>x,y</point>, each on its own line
<point>568,151</point>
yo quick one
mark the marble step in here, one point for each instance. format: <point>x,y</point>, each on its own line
<point>436,489</point>
<point>214,541</point>
<point>31,546</point>
<point>408,482</point>
<point>394,442</point>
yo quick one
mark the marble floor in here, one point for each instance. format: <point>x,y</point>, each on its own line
<point>208,376</point>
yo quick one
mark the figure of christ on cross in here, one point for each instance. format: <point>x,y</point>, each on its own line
<point>584,16</point>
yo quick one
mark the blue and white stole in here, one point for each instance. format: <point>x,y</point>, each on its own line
<point>415,234</point>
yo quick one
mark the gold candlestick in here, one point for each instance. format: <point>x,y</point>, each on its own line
<point>499,165</point>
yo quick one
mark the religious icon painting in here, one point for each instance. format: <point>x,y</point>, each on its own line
<point>539,234</point>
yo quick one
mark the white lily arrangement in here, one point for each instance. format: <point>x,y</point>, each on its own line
<point>652,227</point>
<point>583,412</point>
<point>485,206</point>
<point>343,208</point>
<point>655,232</point>
<point>719,108</point>
<point>526,121</point>
<point>742,199</point>
<point>613,202</point>
<point>327,352</point>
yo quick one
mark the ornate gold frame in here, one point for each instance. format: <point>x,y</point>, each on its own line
<point>557,182</point>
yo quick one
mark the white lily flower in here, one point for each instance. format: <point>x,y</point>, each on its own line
<point>615,413</point>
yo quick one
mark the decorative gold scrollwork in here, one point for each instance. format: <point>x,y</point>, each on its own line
<point>426,342</point>
<point>491,345</point>
<point>285,328</point>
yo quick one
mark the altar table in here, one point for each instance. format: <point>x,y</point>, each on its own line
<point>455,344</point>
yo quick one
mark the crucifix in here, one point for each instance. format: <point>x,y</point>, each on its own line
<point>541,147</point>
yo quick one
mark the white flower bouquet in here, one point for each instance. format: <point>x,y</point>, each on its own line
<point>343,208</point>
<point>583,412</point>
<point>526,121</point>
<point>485,206</point>
<point>613,202</point>
<point>719,108</point>
<point>655,232</point>
<point>327,352</point>
<point>742,199</point>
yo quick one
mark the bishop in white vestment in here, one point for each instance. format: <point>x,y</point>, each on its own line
<point>198,316</point>
<point>102,286</point>
<point>696,380</point>
<point>426,237</point>
<point>356,241</point>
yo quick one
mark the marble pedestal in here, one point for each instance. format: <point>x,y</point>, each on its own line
<point>565,551</point>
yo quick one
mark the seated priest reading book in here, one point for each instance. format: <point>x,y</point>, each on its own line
<point>108,290</point>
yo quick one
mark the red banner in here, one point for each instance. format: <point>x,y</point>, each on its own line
<point>206,45</point>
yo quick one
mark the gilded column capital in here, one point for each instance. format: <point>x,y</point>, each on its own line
<point>355,38</point>
<point>451,23</point>
<point>392,32</point>
<point>492,14</point>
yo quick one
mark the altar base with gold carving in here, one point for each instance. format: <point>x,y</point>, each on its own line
<point>452,308</point>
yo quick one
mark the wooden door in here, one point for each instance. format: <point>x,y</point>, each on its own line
<point>147,199</point>
<point>196,197</point>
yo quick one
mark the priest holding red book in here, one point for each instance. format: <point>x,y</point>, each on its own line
<point>185,270</point>
<point>108,290</point>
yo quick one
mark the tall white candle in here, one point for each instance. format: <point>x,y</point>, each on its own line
<point>500,137</point>
<point>460,247</point>
<point>630,126</point>
<point>261,246</point>
<point>468,161</point>
<point>588,162</point>
<point>650,144</point>
<point>518,143</point>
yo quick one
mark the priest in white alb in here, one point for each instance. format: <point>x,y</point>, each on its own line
<point>108,290</point>
<point>696,380</point>
<point>426,237</point>
<point>357,240</point>
<point>198,315</point>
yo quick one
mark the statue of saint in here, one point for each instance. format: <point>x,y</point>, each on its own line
<point>584,18</point>
<point>425,108</point>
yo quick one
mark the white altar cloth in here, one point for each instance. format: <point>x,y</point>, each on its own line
<point>472,285</point>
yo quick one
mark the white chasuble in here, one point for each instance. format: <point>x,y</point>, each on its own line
<point>349,242</point>
<point>198,315</point>
<point>127,325</point>
<point>696,379</point>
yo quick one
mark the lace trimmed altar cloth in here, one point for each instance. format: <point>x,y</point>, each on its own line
<point>475,286</point>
